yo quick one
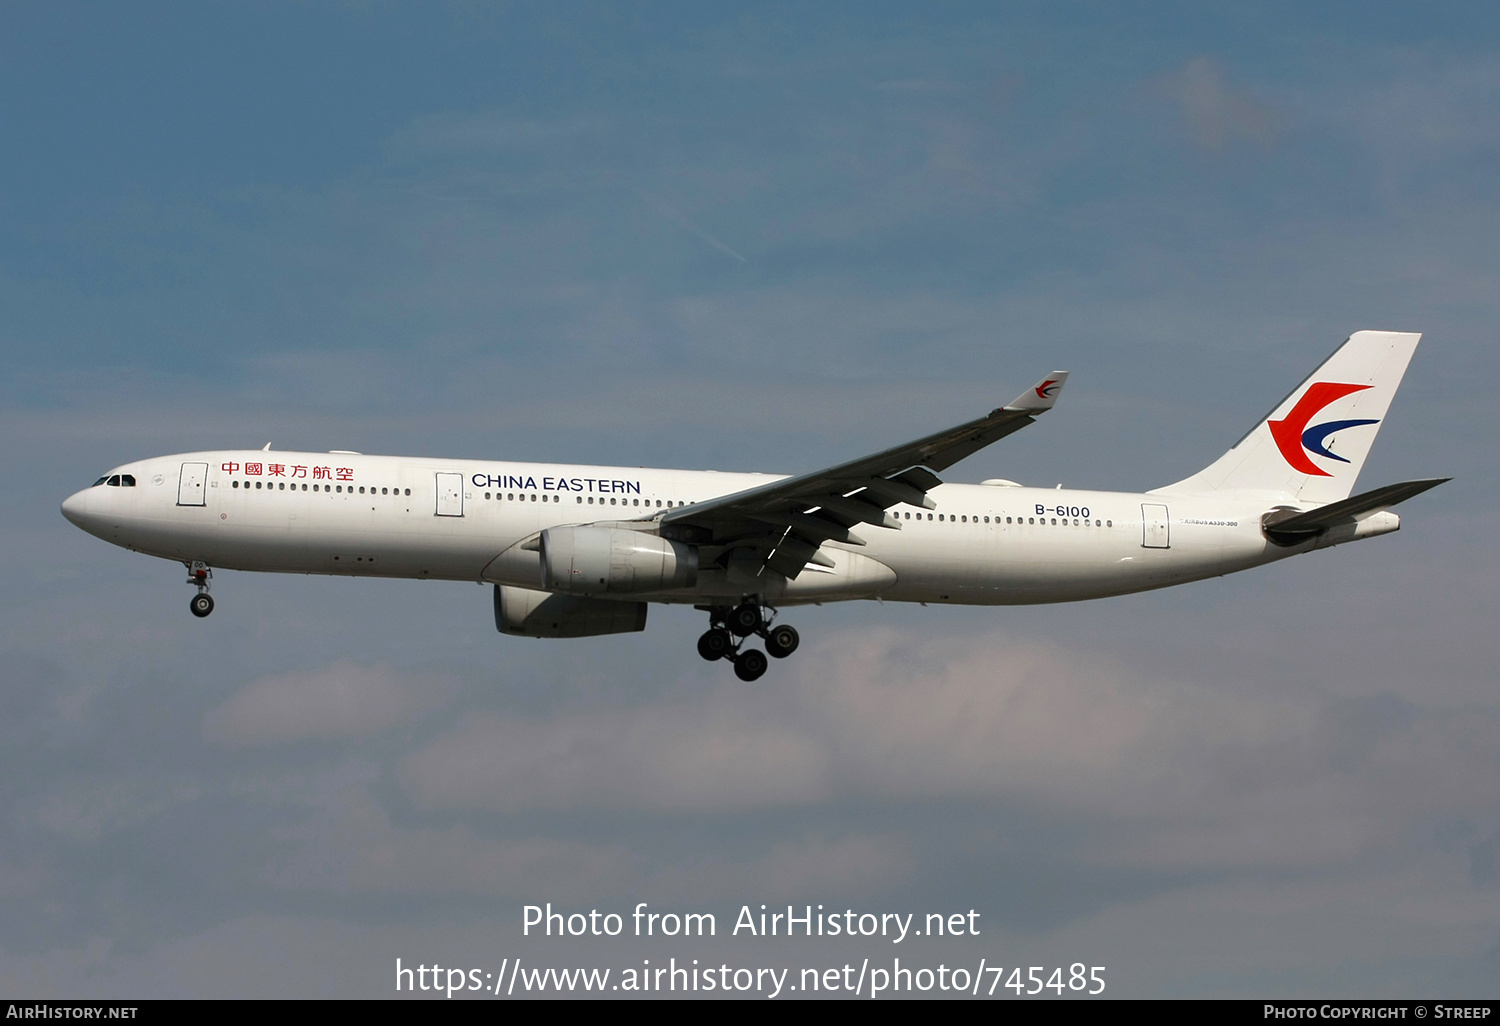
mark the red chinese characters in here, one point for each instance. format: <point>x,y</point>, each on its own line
<point>283,470</point>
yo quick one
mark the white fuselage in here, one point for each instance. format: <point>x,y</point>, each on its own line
<point>388,516</point>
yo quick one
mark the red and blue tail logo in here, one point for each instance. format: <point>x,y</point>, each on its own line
<point>1295,439</point>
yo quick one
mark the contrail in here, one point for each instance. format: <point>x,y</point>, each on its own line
<point>687,224</point>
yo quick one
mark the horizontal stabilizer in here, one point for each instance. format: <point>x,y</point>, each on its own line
<point>1287,527</point>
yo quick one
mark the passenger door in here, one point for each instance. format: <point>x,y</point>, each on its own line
<point>190,486</point>
<point>1156,532</point>
<point>450,495</point>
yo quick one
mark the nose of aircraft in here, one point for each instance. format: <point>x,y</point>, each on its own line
<point>76,507</point>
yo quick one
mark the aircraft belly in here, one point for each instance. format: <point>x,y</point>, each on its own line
<point>331,540</point>
<point>853,575</point>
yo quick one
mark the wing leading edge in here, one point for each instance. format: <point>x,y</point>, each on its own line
<point>780,526</point>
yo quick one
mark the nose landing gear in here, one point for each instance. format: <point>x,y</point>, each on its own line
<point>199,575</point>
<point>730,627</point>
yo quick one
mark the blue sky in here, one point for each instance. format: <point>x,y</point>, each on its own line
<point>756,238</point>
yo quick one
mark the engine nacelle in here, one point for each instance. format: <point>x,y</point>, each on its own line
<point>605,560</point>
<point>541,614</point>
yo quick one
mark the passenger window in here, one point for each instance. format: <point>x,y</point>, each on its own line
<point>408,491</point>
<point>282,486</point>
<point>580,500</point>
<point>234,484</point>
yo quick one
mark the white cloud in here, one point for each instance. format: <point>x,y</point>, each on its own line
<point>1169,775</point>
<point>1218,114</point>
<point>700,757</point>
<point>875,712</point>
<point>347,844</point>
<point>84,809</point>
<point>343,700</point>
<point>814,866</point>
<point>344,842</point>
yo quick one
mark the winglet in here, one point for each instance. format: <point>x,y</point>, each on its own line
<point>1040,396</point>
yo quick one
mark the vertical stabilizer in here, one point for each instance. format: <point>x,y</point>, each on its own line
<point>1312,445</point>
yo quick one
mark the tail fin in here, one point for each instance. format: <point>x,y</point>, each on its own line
<point>1312,445</point>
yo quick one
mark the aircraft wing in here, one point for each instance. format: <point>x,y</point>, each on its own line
<point>780,526</point>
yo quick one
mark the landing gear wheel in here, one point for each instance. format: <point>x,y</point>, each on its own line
<point>715,644</point>
<point>782,641</point>
<point>744,620</point>
<point>750,664</point>
<point>201,605</point>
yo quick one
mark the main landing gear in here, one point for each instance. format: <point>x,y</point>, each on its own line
<point>729,628</point>
<point>199,574</point>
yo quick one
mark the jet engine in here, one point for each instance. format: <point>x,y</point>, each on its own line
<point>605,560</point>
<point>540,614</point>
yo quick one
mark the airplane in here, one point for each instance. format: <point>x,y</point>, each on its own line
<point>578,551</point>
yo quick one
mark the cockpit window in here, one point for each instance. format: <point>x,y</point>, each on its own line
<point>114,481</point>
<point>99,482</point>
<point>127,480</point>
